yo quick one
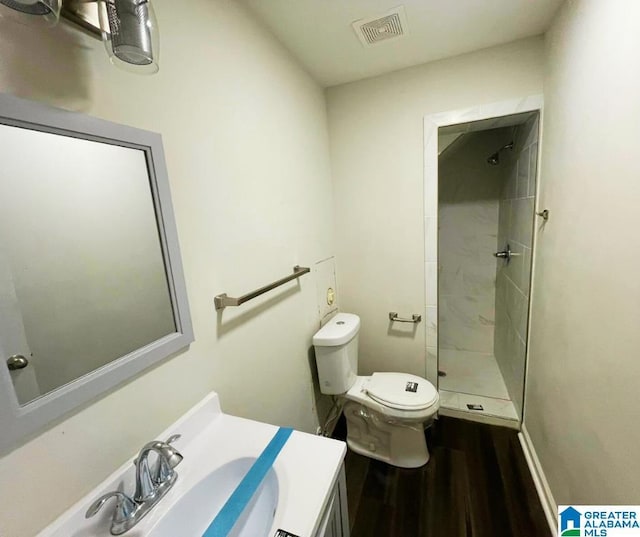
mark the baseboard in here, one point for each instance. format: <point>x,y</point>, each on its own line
<point>539,479</point>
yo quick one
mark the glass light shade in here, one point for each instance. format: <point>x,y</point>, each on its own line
<point>130,34</point>
<point>46,12</point>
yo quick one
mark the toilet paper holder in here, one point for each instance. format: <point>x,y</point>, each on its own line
<point>415,318</point>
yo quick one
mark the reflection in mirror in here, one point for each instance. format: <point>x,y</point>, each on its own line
<point>82,272</point>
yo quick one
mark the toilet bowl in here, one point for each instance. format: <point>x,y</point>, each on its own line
<point>386,412</point>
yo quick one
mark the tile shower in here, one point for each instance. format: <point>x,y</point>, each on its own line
<point>481,313</point>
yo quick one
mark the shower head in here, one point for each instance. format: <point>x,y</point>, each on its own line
<point>494,159</point>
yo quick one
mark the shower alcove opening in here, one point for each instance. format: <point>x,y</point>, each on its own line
<point>481,168</point>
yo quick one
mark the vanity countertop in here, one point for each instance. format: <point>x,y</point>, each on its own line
<point>307,469</point>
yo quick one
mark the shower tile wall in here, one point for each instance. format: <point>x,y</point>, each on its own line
<point>513,279</point>
<point>469,200</point>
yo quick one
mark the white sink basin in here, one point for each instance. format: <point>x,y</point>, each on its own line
<point>193,513</point>
<point>218,451</point>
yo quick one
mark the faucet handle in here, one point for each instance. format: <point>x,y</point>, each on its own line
<point>125,507</point>
<point>157,443</point>
<point>167,461</point>
<point>162,471</point>
<point>173,438</point>
<point>149,480</point>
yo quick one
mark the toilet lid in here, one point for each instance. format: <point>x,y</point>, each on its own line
<point>401,391</point>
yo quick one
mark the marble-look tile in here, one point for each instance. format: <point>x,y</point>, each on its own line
<point>533,169</point>
<point>501,291</point>
<point>468,233</point>
<point>517,309</point>
<point>475,280</point>
<point>466,323</point>
<point>431,238</point>
<point>431,275</point>
<point>491,406</point>
<point>511,354</point>
<point>513,268</point>
<point>449,400</point>
<point>485,111</point>
<point>525,280</point>
<point>479,417</point>
<point>510,334</point>
<point>504,223</point>
<point>430,166</point>
<point>458,216</point>
<point>431,203</point>
<point>518,373</point>
<point>510,190</point>
<point>501,340</point>
<point>432,365</point>
<point>514,374</point>
<point>530,131</point>
<point>522,221</point>
<point>522,188</point>
<point>465,175</point>
<point>431,321</point>
<point>464,252</point>
<point>446,139</point>
<point>472,373</point>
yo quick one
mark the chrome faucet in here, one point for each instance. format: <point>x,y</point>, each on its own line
<point>151,485</point>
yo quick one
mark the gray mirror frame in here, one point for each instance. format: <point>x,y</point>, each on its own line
<point>19,423</point>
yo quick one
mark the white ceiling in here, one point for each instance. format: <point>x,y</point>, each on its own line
<point>319,32</point>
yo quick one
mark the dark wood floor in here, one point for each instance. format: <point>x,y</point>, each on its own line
<point>477,484</point>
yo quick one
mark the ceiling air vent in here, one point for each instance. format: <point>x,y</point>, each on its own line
<point>373,30</point>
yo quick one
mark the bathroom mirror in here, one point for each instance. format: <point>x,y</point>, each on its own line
<point>91,284</point>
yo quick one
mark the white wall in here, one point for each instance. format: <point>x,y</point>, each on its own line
<point>376,133</point>
<point>246,138</point>
<point>581,407</point>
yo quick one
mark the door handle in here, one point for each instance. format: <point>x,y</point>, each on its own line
<point>16,362</point>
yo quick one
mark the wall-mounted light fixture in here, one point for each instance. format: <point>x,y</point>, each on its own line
<point>46,11</point>
<point>128,28</point>
<point>130,34</point>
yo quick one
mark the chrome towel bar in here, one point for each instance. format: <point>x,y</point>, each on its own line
<point>222,301</point>
<point>415,318</point>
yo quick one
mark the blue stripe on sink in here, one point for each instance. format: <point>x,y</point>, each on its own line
<point>232,509</point>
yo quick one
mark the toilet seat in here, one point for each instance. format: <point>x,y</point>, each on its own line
<point>401,391</point>
<point>359,394</point>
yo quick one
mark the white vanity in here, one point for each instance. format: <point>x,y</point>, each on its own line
<point>302,495</point>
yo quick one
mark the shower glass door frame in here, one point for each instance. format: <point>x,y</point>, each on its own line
<point>432,122</point>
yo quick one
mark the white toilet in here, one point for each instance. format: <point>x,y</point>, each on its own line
<point>387,412</point>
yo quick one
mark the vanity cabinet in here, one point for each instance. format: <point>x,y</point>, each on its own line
<point>335,519</point>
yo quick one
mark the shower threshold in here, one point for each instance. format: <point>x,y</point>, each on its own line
<point>473,388</point>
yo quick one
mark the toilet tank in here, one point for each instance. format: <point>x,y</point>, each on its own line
<point>336,345</point>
